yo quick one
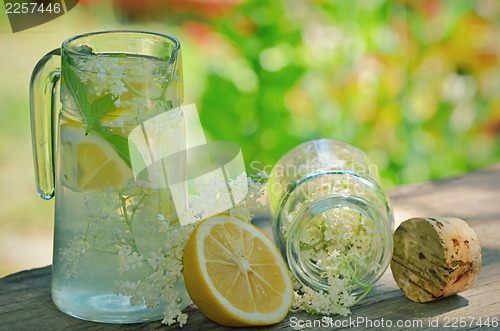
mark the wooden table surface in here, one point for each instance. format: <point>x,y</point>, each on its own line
<point>25,302</point>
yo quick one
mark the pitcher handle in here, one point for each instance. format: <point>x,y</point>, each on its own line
<point>44,98</point>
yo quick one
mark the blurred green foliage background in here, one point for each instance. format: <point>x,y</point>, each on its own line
<point>415,84</point>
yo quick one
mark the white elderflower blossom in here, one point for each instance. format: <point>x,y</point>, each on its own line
<point>144,108</point>
<point>340,242</point>
<point>210,197</point>
<point>155,261</point>
<point>129,261</point>
<point>124,222</point>
<point>182,318</point>
<point>136,301</point>
<point>70,256</point>
<point>104,75</point>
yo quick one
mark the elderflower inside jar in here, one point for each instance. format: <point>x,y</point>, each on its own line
<point>332,220</point>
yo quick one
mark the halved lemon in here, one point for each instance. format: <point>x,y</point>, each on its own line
<point>88,163</point>
<point>235,274</point>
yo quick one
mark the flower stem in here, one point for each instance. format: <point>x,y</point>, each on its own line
<point>128,222</point>
<point>103,250</point>
<point>135,209</point>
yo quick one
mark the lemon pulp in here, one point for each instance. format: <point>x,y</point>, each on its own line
<point>235,274</point>
<point>89,163</point>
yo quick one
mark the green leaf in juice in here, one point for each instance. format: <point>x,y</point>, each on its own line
<point>76,89</point>
<point>100,107</point>
<point>93,113</point>
<point>120,144</point>
<point>90,113</point>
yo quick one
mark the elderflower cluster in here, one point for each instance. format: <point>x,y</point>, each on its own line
<point>103,74</point>
<point>215,195</point>
<point>109,75</point>
<point>342,243</point>
<point>145,237</point>
<point>162,284</point>
<point>70,256</point>
<point>144,109</point>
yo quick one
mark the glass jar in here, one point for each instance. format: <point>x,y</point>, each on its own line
<point>331,215</point>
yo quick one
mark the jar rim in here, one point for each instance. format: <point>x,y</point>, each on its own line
<point>310,274</point>
<point>289,190</point>
<point>66,45</point>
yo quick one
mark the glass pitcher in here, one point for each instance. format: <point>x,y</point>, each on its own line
<point>116,238</point>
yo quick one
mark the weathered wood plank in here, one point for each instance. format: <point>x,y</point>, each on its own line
<point>25,301</point>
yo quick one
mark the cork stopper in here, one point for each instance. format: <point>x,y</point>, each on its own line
<point>435,257</point>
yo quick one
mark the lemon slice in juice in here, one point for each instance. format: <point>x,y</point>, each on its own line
<point>88,162</point>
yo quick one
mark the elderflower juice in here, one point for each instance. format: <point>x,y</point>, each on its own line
<point>118,244</point>
<point>109,252</point>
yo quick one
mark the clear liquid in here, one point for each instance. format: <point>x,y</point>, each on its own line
<point>107,230</point>
<point>85,271</point>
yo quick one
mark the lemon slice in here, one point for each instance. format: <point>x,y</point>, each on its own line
<point>235,274</point>
<point>88,163</point>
